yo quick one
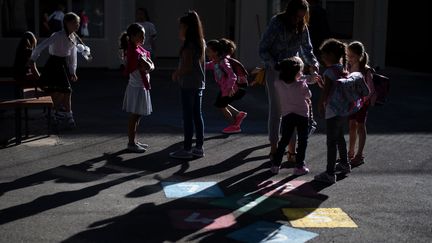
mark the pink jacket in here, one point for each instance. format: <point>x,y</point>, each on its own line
<point>224,76</point>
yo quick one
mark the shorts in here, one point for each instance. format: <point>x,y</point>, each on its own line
<point>224,101</point>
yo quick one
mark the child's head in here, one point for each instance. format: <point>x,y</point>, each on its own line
<point>71,23</point>
<point>28,41</point>
<point>356,54</point>
<point>134,34</point>
<point>191,31</point>
<point>333,52</point>
<point>290,69</point>
<point>228,46</point>
<point>214,50</point>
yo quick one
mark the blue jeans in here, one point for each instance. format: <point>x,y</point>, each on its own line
<point>192,116</point>
<point>335,142</point>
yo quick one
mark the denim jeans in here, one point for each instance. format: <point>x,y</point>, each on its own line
<point>335,141</point>
<point>192,117</point>
<point>289,122</point>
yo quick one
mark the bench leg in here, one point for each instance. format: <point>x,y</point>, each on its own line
<point>26,122</point>
<point>49,121</point>
<point>18,126</point>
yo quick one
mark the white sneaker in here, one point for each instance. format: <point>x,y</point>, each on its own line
<point>275,169</point>
<point>142,145</point>
<point>135,148</point>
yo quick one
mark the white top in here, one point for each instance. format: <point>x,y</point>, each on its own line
<point>59,45</point>
<point>135,79</point>
<point>57,15</point>
<point>293,97</point>
<point>150,33</point>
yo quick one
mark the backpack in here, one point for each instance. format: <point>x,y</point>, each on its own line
<point>382,87</point>
<point>347,94</point>
<point>240,71</point>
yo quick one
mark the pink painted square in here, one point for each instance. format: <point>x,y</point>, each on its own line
<point>209,219</point>
<point>274,189</point>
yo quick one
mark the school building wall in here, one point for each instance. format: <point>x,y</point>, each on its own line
<point>237,19</point>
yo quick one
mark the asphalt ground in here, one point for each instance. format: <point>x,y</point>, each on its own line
<point>83,186</point>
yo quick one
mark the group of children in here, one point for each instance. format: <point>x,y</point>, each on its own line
<point>294,94</point>
<point>231,77</point>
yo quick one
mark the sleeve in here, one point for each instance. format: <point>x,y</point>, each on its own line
<point>230,78</point>
<point>44,44</point>
<point>153,31</point>
<point>266,43</point>
<point>209,65</point>
<point>307,49</point>
<point>72,60</point>
<point>306,91</point>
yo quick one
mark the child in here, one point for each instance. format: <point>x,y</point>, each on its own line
<point>191,76</point>
<point>358,62</point>
<point>137,95</point>
<point>24,73</point>
<point>61,66</point>
<point>227,80</point>
<point>333,54</point>
<point>294,97</point>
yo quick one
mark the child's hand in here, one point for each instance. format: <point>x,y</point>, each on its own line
<point>231,92</point>
<point>73,78</point>
<point>175,76</point>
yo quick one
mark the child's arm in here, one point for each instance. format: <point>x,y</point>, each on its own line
<point>146,64</point>
<point>186,64</point>
<point>228,86</point>
<point>44,44</point>
<point>328,83</point>
<point>72,63</point>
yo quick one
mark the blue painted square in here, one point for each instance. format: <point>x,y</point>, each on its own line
<point>262,231</point>
<point>192,189</point>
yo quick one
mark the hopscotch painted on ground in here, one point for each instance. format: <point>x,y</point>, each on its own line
<point>271,196</point>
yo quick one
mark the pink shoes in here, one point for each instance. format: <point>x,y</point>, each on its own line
<point>231,129</point>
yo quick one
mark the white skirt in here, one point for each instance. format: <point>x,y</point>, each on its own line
<point>137,101</point>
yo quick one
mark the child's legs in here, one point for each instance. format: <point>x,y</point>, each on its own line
<point>302,131</point>
<point>67,104</point>
<point>292,143</point>
<point>287,125</point>
<point>274,115</point>
<point>362,133</point>
<point>57,100</point>
<point>233,111</point>
<point>227,114</point>
<point>352,137</point>
<point>132,127</point>
<point>341,143</point>
<point>332,142</point>
<point>187,96</point>
<point>198,119</point>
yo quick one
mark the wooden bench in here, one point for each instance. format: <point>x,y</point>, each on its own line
<point>19,104</point>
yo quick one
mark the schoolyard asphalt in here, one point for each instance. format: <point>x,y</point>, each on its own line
<point>83,186</point>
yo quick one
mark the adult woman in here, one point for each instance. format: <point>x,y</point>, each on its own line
<point>287,35</point>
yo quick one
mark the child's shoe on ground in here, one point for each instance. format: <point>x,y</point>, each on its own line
<point>142,145</point>
<point>181,154</point>
<point>135,148</point>
<point>344,168</point>
<point>239,118</point>
<point>275,169</point>
<point>300,171</point>
<point>231,129</point>
<point>198,152</point>
<point>357,160</point>
<point>325,178</point>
